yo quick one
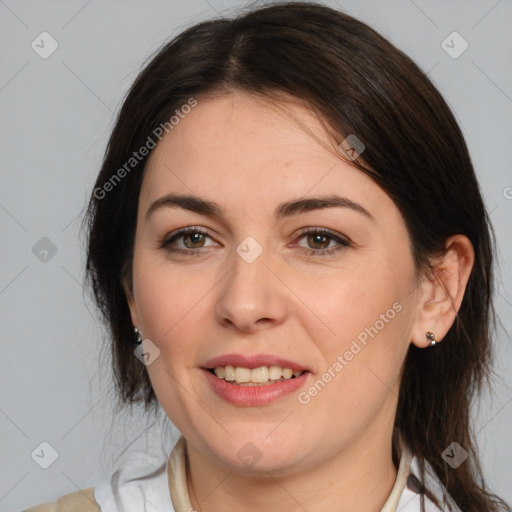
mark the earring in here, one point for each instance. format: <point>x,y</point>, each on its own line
<point>432,338</point>
<point>138,335</point>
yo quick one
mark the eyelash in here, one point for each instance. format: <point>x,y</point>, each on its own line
<point>167,241</point>
<point>342,242</point>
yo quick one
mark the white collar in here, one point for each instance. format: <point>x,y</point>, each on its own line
<point>145,483</point>
<point>141,484</point>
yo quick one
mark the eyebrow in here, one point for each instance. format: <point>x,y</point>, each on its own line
<point>287,209</point>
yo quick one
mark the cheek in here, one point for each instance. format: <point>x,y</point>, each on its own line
<point>369,318</point>
<point>170,304</point>
<point>168,299</point>
<point>360,305</point>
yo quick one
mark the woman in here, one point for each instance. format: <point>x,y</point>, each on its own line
<point>288,225</point>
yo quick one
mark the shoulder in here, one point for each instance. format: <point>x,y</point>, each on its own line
<point>79,501</point>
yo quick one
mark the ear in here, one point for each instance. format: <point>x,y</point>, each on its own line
<point>441,292</point>
<point>127,287</point>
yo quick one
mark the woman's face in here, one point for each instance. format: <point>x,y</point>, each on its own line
<point>301,262</point>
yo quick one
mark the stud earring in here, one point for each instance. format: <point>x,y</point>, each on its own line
<point>432,338</point>
<point>138,335</point>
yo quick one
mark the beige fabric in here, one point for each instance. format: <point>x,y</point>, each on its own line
<point>79,501</point>
<point>177,471</point>
<point>391,504</point>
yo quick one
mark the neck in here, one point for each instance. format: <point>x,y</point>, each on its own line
<point>358,478</point>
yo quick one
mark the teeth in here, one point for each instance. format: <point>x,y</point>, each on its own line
<point>242,374</point>
<point>287,373</point>
<point>229,373</point>
<point>274,373</point>
<point>260,375</point>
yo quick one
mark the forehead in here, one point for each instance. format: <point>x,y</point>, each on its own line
<point>234,125</point>
<point>239,148</point>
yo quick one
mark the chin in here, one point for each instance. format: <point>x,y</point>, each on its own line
<point>253,453</point>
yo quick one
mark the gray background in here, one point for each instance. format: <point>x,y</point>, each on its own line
<point>57,114</point>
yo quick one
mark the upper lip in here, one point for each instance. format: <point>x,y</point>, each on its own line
<point>253,361</point>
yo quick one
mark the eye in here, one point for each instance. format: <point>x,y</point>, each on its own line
<point>190,241</point>
<point>322,241</point>
<point>186,241</point>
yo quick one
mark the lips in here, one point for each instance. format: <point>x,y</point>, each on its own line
<point>255,376</point>
<point>255,361</point>
<point>254,380</point>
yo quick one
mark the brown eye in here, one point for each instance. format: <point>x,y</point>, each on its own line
<point>187,241</point>
<point>193,240</point>
<point>322,241</point>
<point>318,241</point>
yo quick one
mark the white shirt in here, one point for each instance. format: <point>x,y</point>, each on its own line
<point>146,484</point>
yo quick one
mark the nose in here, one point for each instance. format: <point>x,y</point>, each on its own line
<point>251,297</point>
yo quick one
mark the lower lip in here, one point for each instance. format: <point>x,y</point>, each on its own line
<point>253,396</point>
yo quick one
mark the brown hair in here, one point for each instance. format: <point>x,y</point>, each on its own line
<point>360,84</point>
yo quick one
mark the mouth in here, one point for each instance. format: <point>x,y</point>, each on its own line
<point>256,380</point>
<point>259,376</point>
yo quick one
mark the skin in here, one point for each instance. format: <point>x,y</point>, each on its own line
<point>249,156</point>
